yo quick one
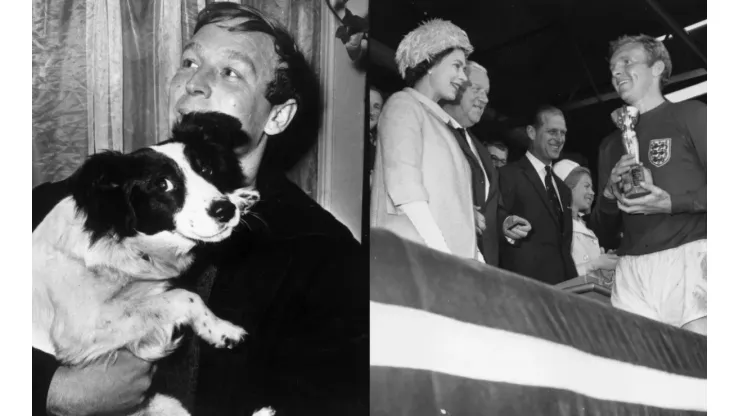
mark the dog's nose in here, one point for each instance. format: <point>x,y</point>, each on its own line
<point>222,210</point>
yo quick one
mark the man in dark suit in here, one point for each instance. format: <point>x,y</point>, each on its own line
<point>530,190</point>
<point>466,111</point>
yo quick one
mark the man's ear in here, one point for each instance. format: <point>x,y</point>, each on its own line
<point>658,68</point>
<point>531,132</point>
<point>280,117</point>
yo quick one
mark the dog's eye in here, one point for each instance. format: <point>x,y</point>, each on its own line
<point>165,185</point>
<point>206,170</point>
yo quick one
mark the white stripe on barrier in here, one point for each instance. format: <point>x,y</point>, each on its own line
<point>402,337</point>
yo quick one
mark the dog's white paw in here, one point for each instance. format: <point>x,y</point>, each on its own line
<point>222,334</point>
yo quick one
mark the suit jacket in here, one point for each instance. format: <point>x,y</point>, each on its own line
<point>419,159</point>
<point>489,240</point>
<point>545,254</point>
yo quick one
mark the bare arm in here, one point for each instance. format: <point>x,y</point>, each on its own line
<point>98,388</point>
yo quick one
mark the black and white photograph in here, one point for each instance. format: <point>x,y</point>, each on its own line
<point>538,207</point>
<point>370,207</point>
<point>197,208</point>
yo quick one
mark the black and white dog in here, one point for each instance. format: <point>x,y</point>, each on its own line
<point>104,256</point>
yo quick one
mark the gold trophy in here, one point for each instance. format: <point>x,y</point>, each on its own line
<point>626,118</point>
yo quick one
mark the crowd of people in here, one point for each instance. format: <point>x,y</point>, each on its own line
<point>542,216</point>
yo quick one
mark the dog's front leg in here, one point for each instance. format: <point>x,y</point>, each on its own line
<point>178,307</point>
<point>145,327</point>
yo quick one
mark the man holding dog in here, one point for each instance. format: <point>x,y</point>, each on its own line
<point>295,278</point>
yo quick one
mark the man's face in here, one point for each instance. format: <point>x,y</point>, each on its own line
<point>376,104</point>
<point>227,72</point>
<point>548,139</point>
<point>632,78</point>
<point>498,156</point>
<point>475,97</point>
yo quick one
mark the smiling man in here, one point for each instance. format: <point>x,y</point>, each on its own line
<point>662,271</point>
<point>293,276</point>
<point>466,111</point>
<point>530,190</point>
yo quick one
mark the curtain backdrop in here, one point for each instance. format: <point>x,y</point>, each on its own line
<point>101,71</point>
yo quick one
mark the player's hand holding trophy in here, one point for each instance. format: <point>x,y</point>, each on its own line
<point>626,119</point>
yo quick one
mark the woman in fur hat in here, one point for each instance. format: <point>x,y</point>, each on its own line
<point>421,188</point>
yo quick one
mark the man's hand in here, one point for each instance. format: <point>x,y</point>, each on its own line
<point>99,387</point>
<point>606,261</point>
<point>619,175</point>
<point>516,227</point>
<point>480,221</point>
<point>657,201</point>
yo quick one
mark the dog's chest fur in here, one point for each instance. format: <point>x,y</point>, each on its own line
<point>73,279</point>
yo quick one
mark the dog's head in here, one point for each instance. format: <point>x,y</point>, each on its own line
<point>191,185</point>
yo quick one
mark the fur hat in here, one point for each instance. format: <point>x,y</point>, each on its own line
<point>430,38</point>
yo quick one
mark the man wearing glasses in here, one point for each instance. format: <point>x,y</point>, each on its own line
<point>466,111</point>
<point>499,153</point>
<point>662,271</point>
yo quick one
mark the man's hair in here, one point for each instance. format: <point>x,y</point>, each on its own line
<point>291,62</point>
<point>413,75</point>
<point>476,65</point>
<point>293,78</point>
<point>655,49</point>
<point>499,145</point>
<point>539,115</point>
<point>376,89</point>
<point>458,97</point>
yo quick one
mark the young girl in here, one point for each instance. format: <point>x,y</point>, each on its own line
<point>588,256</point>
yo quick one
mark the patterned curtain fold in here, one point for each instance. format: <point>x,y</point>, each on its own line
<point>101,71</point>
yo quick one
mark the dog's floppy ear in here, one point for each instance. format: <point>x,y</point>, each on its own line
<point>211,126</point>
<point>101,187</point>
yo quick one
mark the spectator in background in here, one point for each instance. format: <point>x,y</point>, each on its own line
<point>421,187</point>
<point>499,153</point>
<point>374,106</point>
<point>588,256</point>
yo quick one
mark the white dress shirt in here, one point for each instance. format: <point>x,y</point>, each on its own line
<point>542,172</point>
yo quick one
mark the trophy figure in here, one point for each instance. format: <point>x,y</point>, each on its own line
<point>626,118</point>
